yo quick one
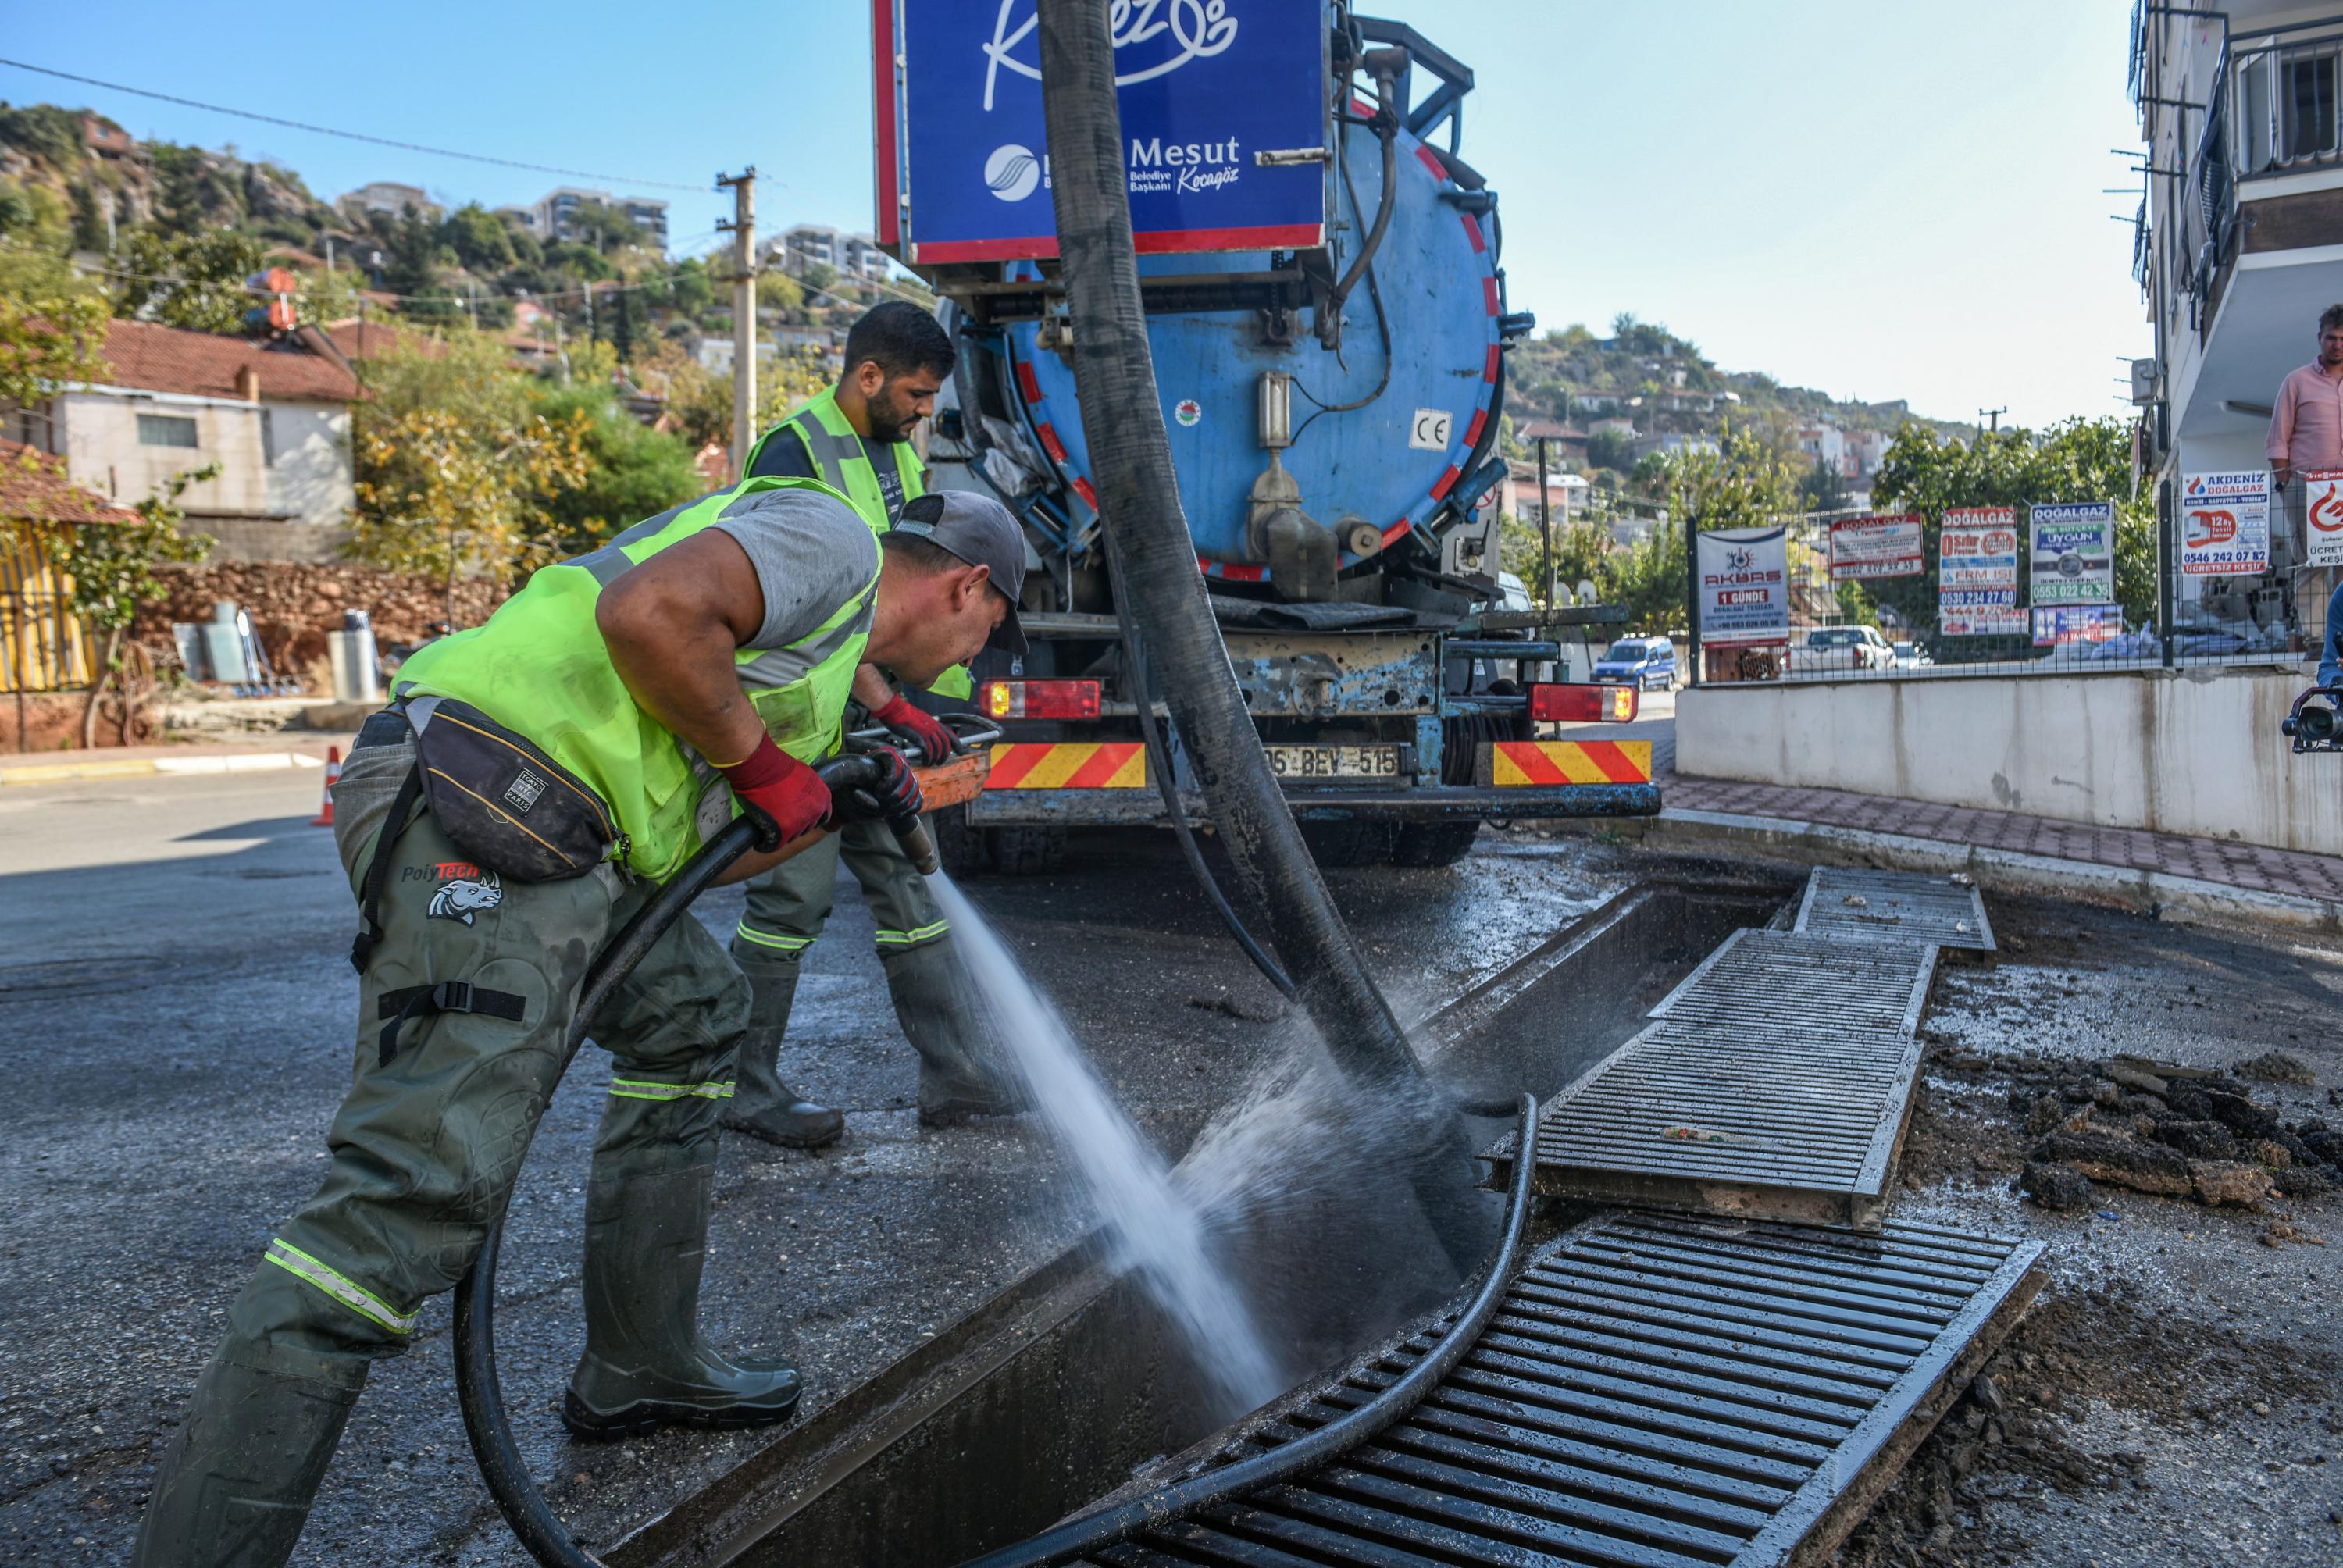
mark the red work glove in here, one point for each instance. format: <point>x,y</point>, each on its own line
<point>923,729</point>
<point>782,788</point>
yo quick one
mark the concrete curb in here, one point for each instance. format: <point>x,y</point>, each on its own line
<point>149,767</point>
<point>2157,894</point>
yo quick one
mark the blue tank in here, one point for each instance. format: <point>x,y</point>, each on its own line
<point>1392,429</point>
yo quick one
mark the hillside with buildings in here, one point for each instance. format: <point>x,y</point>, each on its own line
<point>1605,403</point>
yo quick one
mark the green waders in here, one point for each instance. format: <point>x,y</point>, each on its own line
<point>788,906</point>
<point>422,1155</point>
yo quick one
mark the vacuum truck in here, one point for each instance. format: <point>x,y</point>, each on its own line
<point>1323,280</point>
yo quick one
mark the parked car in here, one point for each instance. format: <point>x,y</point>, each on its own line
<point>1911,656</point>
<point>1642,662</point>
<point>1836,647</point>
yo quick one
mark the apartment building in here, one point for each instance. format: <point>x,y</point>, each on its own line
<point>2237,246</point>
<point>849,255</point>
<point>554,215</point>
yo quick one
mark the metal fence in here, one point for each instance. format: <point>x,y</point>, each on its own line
<point>1985,601</point>
<point>43,645</point>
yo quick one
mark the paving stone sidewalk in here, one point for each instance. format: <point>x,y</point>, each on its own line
<point>2230,863</point>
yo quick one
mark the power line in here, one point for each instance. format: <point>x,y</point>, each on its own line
<point>353,135</point>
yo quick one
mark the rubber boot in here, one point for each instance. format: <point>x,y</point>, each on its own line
<point>936,1003</point>
<point>644,1364</point>
<point>234,1488</point>
<point>762,1105</point>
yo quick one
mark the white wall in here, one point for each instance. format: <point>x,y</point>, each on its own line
<point>2188,751</point>
<point>309,481</point>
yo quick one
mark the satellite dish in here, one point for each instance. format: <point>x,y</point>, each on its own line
<point>1585,591</point>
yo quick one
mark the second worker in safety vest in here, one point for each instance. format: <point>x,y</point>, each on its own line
<point>856,438</point>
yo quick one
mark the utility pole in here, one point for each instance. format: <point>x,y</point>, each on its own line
<point>743,229</point>
<point>1545,523</point>
<point>1994,417</point>
<point>1692,598</point>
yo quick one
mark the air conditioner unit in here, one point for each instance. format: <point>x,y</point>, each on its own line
<point>2142,381</point>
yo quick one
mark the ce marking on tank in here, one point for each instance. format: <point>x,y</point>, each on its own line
<point>1431,429</point>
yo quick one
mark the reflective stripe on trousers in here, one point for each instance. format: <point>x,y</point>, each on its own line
<point>652,1088</point>
<point>339,1286</point>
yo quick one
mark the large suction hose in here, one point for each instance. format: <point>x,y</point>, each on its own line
<point>1138,501</point>
<point>477,1388</point>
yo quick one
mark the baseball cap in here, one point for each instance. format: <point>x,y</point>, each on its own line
<point>982,532</point>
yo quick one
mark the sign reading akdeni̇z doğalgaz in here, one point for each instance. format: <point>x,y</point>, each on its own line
<point>1206,86</point>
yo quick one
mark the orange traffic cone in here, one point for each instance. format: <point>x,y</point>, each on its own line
<point>325,817</point>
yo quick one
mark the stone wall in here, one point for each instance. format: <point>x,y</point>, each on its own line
<point>295,603</point>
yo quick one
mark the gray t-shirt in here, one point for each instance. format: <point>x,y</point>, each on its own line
<point>812,552</point>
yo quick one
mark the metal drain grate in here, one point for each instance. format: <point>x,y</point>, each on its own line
<point>1655,1390</point>
<point>1894,906</point>
<point>1775,1083</point>
<point>1771,979</point>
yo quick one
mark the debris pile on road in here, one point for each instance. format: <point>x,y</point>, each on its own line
<point>2168,1130</point>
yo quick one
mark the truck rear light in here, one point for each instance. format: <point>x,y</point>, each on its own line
<point>1040,699</point>
<point>1578,704</point>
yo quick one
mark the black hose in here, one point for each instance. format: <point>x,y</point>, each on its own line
<point>1138,500</point>
<point>1159,762</point>
<point>1091,1533</point>
<point>1386,122</point>
<point>477,1388</point>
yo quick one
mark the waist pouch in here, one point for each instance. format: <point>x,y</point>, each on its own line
<point>501,799</point>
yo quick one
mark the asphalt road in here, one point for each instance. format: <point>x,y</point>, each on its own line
<point>175,1034</point>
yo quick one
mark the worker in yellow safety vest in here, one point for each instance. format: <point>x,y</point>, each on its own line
<point>855,438</point>
<point>501,822</point>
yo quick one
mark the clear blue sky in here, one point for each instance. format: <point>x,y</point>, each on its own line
<point>1880,201</point>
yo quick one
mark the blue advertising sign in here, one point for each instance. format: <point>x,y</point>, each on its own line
<point>1207,87</point>
<point>1744,585</point>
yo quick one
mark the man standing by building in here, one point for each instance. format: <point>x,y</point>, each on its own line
<point>856,437</point>
<point>532,782</point>
<point>2306,436</point>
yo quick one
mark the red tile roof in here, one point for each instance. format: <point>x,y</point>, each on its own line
<point>33,486</point>
<point>373,339</point>
<point>149,358</point>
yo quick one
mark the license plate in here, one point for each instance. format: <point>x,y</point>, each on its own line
<point>1334,761</point>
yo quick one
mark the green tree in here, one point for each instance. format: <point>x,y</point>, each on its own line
<point>195,281</point>
<point>777,290</point>
<point>48,339</point>
<point>111,567</point>
<point>457,466</point>
<point>1610,448</point>
<point>631,471</point>
<point>2076,459</point>
<point>479,238</point>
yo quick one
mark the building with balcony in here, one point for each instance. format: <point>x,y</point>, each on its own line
<point>849,255</point>
<point>554,215</point>
<point>2237,246</point>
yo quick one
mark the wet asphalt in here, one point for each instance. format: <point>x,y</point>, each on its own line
<point>175,1023</point>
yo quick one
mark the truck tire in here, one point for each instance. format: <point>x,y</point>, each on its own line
<point>1433,843</point>
<point>1025,851</point>
<point>959,845</point>
<point>1349,843</point>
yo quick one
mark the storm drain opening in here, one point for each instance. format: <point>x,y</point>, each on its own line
<point>1895,906</point>
<point>1777,1083</point>
<point>1655,1389</point>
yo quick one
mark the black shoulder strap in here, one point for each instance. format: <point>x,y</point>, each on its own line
<point>378,871</point>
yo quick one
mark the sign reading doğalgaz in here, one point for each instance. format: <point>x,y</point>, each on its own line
<point>1976,573</point>
<point>1744,585</point>
<point>2322,512</point>
<point>1875,548</point>
<point>1205,85</point>
<point>2225,524</point>
<point>2073,552</point>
